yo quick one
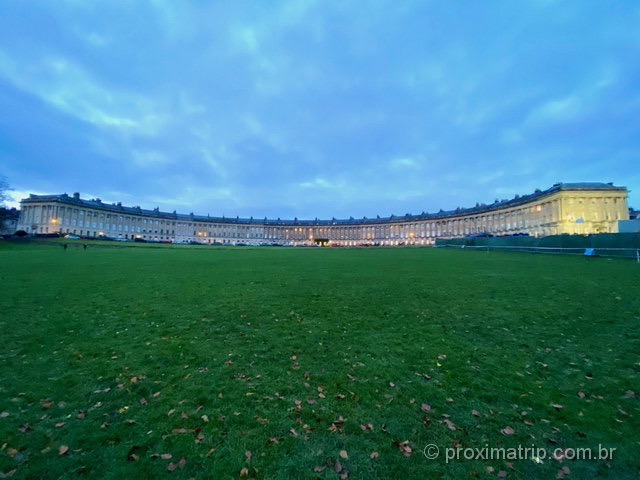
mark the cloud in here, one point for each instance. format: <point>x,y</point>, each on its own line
<point>69,88</point>
<point>269,109</point>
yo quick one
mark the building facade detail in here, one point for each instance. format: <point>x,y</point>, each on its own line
<point>573,208</point>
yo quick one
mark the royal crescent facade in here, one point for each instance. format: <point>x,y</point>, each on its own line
<point>573,208</point>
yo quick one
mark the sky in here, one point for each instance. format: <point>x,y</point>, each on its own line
<point>306,109</point>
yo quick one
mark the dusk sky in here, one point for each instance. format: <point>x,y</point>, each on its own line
<point>317,108</point>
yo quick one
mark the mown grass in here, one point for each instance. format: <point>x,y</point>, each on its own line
<point>243,358</point>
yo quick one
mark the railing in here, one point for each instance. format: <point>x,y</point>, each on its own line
<point>631,253</point>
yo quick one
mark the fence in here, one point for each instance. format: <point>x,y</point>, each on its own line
<point>626,245</point>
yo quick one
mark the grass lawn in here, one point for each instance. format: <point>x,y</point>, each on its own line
<point>202,362</point>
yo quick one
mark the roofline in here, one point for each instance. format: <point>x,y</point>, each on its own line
<point>459,212</point>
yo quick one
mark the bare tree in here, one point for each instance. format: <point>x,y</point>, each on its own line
<point>4,188</point>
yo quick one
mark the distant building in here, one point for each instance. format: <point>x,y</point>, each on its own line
<point>580,208</point>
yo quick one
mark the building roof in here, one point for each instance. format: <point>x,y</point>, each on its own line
<point>96,203</point>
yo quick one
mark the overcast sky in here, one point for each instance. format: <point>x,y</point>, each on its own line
<point>317,108</point>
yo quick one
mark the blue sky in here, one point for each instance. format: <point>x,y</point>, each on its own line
<point>317,108</point>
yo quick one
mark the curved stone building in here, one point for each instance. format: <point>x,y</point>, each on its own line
<point>579,208</point>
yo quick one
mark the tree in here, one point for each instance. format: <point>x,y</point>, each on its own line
<point>4,188</point>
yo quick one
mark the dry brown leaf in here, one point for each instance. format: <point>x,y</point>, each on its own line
<point>404,448</point>
<point>63,449</point>
<point>450,424</point>
<point>344,454</point>
<point>374,455</point>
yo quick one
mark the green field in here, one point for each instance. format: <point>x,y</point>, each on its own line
<point>275,363</point>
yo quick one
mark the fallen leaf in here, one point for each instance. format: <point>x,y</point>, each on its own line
<point>450,424</point>
<point>4,414</point>
<point>131,455</point>
<point>247,454</point>
<point>143,401</point>
<point>508,431</point>
<point>59,424</point>
<point>244,472</point>
<point>425,407</point>
<point>581,394</point>
<point>319,468</point>
<point>344,454</point>
<point>557,406</point>
<point>166,456</point>
<point>404,448</point>
<point>63,449</point>
<point>374,455</point>
<point>475,413</point>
